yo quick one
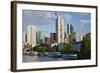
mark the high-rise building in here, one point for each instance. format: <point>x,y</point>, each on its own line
<point>66,39</point>
<point>31,34</point>
<point>53,37</point>
<point>47,40</point>
<point>69,29</point>
<point>24,37</point>
<point>70,38</point>
<point>40,37</point>
<point>60,29</point>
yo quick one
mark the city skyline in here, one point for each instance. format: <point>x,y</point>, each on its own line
<point>55,34</point>
<point>34,36</point>
<point>47,19</point>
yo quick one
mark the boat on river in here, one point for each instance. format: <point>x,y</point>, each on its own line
<point>69,56</point>
<point>31,53</point>
<point>53,54</point>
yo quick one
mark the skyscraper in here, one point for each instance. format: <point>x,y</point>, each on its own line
<point>47,40</point>
<point>60,29</point>
<point>53,37</point>
<point>69,29</point>
<point>70,38</point>
<point>24,37</point>
<point>31,34</point>
<point>40,37</point>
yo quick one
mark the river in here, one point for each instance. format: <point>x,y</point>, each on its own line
<point>27,58</point>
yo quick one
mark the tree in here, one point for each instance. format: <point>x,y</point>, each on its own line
<point>55,48</point>
<point>85,50</point>
<point>67,47</point>
<point>40,48</point>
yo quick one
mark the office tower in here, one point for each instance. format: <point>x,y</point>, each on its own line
<point>53,37</point>
<point>70,34</point>
<point>60,29</point>
<point>24,37</point>
<point>69,29</point>
<point>66,39</point>
<point>47,40</point>
<point>31,35</point>
<point>40,37</point>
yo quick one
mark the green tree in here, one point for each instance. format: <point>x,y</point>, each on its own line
<point>67,47</point>
<point>85,50</point>
<point>55,48</point>
<point>40,48</point>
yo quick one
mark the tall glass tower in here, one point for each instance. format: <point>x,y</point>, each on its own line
<point>69,29</point>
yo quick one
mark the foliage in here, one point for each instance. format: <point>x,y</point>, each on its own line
<point>85,50</point>
<point>55,48</point>
<point>67,47</point>
<point>61,47</point>
<point>40,48</point>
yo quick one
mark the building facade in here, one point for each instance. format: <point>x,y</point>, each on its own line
<point>24,37</point>
<point>70,29</point>
<point>53,38</point>
<point>70,38</point>
<point>31,34</point>
<point>60,29</point>
<point>47,40</point>
<point>40,37</point>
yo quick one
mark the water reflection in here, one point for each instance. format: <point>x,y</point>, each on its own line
<point>36,58</point>
<point>27,58</point>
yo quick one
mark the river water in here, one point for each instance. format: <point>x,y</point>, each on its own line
<point>27,58</point>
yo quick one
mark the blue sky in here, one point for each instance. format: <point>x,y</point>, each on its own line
<point>43,20</point>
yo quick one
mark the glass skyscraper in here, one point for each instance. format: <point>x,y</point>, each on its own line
<point>40,37</point>
<point>69,29</point>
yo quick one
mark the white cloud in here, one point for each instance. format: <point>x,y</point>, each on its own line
<point>50,15</point>
<point>67,17</point>
<point>84,13</point>
<point>84,22</point>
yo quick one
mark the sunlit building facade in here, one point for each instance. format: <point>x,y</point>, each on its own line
<point>60,29</point>
<point>31,34</point>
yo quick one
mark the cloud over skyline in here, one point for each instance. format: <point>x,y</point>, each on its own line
<point>84,22</point>
<point>43,19</point>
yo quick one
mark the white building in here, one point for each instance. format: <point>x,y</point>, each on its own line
<point>24,37</point>
<point>60,29</point>
<point>81,38</point>
<point>66,38</point>
<point>31,35</point>
<point>78,37</point>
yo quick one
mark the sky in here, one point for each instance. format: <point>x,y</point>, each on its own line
<point>45,20</point>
